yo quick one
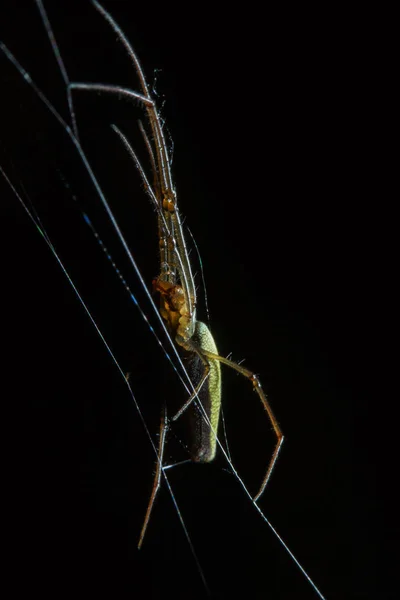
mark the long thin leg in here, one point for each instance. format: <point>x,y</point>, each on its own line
<point>258,388</point>
<point>278,432</point>
<point>193,348</point>
<point>260,392</point>
<point>157,476</point>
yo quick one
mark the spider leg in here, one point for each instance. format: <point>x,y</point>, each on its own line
<point>261,394</point>
<point>193,348</point>
<point>157,475</point>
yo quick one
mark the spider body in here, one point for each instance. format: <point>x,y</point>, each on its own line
<point>176,286</point>
<point>192,339</point>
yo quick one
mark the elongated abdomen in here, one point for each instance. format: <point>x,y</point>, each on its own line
<point>202,441</point>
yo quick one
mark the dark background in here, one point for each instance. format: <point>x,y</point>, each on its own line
<point>265,129</point>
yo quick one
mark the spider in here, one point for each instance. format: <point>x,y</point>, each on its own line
<point>175,283</point>
<point>176,287</point>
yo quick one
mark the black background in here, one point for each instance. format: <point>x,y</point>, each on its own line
<point>264,124</point>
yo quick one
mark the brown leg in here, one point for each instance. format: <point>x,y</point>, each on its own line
<point>260,392</point>
<point>157,476</point>
<point>206,373</point>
